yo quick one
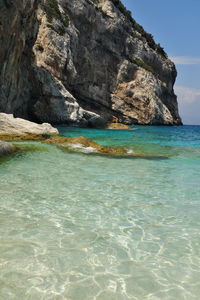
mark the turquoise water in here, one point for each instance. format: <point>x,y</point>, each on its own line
<point>79,226</point>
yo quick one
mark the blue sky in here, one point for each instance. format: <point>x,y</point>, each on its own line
<point>175,24</point>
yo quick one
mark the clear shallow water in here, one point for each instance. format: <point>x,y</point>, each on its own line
<point>75,226</point>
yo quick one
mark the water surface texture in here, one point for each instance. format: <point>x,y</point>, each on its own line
<point>80,227</point>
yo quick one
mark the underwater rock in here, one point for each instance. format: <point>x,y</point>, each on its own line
<point>6,148</point>
<point>117,126</point>
<point>88,146</point>
<point>22,148</point>
<point>72,140</point>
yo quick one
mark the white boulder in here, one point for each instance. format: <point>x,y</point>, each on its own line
<point>16,126</point>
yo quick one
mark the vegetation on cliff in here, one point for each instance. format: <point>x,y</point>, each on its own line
<point>51,8</point>
<point>147,36</point>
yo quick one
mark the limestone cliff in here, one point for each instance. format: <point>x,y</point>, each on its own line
<point>18,30</point>
<point>82,62</point>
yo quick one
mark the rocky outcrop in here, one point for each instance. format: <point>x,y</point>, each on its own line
<point>16,127</point>
<point>84,62</point>
<point>117,126</point>
<point>18,31</point>
<point>55,104</point>
<point>87,146</point>
<point>6,148</point>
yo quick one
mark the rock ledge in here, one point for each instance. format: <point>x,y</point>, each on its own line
<point>16,128</point>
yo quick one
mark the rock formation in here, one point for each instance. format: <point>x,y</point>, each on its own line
<point>82,62</point>
<point>87,146</point>
<point>6,148</point>
<point>16,127</point>
<point>18,30</point>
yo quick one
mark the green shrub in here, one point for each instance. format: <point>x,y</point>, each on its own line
<point>60,30</point>
<point>140,63</point>
<point>148,37</point>
<point>161,51</point>
<point>51,8</point>
<point>65,21</point>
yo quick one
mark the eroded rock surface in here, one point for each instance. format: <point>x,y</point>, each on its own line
<point>18,31</point>
<point>6,148</point>
<point>87,146</point>
<point>118,126</point>
<point>17,127</point>
<point>82,62</point>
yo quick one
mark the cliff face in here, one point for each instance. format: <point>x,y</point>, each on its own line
<point>18,30</point>
<point>91,62</point>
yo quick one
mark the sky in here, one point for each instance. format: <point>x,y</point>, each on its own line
<point>175,24</point>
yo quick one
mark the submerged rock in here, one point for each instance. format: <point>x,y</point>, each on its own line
<point>15,128</point>
<point>6,148</point>
<point>117,126</point>
<point>88,146</point>
<point>22,148</point>
<point>72,140</point>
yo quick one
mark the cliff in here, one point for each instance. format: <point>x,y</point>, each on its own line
<point>18,30</point>
<point>82,62</point>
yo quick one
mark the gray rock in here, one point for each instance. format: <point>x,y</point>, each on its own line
<point>87,63</point>
<point>16,126</point>
<point>18,31</point>
<point>57,105</point>
<point>106,65</point>
<point>6,148</point>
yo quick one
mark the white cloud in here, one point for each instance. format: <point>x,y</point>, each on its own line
<point>187,94</point>
<point>185,60</point>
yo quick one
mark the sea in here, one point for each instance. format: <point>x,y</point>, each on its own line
<point>79,226</point>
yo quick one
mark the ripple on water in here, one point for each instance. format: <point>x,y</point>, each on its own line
<point>79,227</point>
